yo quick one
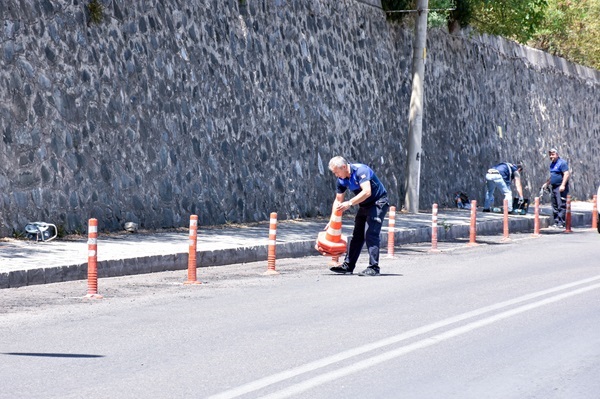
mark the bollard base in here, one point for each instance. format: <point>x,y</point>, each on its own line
<point>93,296</point>
<point>472,244</point>
<point>192,282</point>
<point>536,235</point>
<point>434,251</point>
<point>270,272</point>
<point>506,239</point>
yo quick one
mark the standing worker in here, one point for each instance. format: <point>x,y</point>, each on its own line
<point>558,182</point>
<point>500,176</point>
<point>371,197</point>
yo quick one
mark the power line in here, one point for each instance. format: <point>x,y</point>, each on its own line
<point>396,11</point>
<point>427,9</point>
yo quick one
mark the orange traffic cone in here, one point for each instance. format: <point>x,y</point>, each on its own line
<point>332,242</point>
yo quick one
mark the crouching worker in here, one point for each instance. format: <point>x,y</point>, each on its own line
<point>371,198</point>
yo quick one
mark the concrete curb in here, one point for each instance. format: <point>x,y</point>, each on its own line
<point>256,253</point>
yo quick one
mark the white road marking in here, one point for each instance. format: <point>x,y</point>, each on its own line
<point>392,354</point>
<point>360,365</point>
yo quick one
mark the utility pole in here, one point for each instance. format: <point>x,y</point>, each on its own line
<point>415,117</point>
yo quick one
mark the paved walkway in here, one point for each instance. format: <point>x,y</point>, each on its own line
<point>26,262</point>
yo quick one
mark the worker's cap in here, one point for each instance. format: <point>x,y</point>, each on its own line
<point>552,151</point>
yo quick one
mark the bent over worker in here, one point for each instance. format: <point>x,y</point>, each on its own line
<point>500,176</point>
<point>371,198</point>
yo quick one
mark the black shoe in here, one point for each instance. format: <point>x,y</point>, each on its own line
<point>370,271</point>
<point>487,210</point>
<point>343,269</point>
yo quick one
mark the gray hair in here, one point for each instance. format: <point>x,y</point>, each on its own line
<point>337,162</point>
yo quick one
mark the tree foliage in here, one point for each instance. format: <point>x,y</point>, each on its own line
<point>571,30</point>
<point>515,19</point>
<point>567,28</point>
<point>436,18</point>
<point>518,20</point>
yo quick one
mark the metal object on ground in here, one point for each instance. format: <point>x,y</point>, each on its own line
<point>131,227</point>
<point>41,231</point>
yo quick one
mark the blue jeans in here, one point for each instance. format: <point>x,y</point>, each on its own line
<point>493,181</point>
<point>371,218</point>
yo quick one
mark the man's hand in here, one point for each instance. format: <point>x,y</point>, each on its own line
<point>319,249</point>
<point>562,188</point>
<point>343,206</point>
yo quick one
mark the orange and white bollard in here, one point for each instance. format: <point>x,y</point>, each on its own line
<point>505,236</point>
<point>193,242</point>
<point>568,216</point>
<point>595,212</point>
<point>391,232</point>
<point>272,244</point>
<point>434,229</point>
<point>473,228</point>
<point>93,260</point>
<point>536,218</point>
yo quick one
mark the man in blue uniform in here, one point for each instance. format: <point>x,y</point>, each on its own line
<point>500,176</point>
<point>371,197</point>
<point>559,185</point>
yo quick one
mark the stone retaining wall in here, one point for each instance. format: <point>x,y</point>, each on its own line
<point>231,110</point>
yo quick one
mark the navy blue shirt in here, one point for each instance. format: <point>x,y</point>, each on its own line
<point>360,173</point>
<point>557,170</point>
<point>508,171</point>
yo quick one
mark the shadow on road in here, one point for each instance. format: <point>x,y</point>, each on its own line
<point>72,355</point>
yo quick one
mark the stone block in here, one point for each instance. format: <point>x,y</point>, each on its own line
<point>17,278</point>
<point>4,277</point>
<point>74,272</point>
<point>54,274</point>
<point>36,276</point>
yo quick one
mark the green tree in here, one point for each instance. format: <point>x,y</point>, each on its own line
<point>571,29</point>
<point>566,28</point>
<point>514,19</point>
<point>518,20</point>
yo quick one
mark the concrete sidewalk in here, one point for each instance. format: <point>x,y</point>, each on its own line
<point>26,262</point>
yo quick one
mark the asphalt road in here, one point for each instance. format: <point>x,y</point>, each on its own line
<point>517,319</point>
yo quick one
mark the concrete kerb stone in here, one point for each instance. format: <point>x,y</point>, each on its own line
<point>4,280</point>
<point>296,249</point>
<point>36,276</point>
<point>72,272</point>
<point>17,278</point>
<point>54,274</point>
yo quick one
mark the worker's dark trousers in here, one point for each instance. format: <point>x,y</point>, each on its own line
<point>559,204</point>
<point>367,228</point>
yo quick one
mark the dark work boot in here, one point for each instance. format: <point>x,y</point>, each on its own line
<point>370,271</point>
<point>344,268</point>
